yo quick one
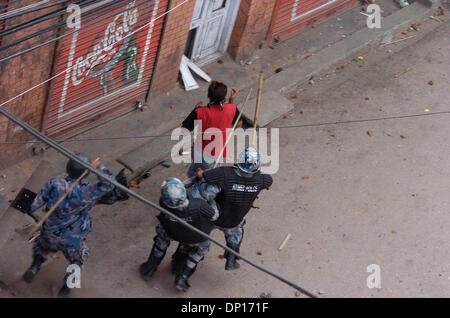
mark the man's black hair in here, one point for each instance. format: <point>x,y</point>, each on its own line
<point>217,92</point>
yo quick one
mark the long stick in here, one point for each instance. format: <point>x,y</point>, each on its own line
<point>409,37</point>
<point>284,242</point>
<point>232,129</point>
<point>34,234</point>
<point>258,103</point>
<point>404,72</point>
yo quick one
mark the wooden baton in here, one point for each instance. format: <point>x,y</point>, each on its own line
<point>258,103</point>
<point>232,129</point>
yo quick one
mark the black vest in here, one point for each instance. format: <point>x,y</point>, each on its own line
<point>237,195</point>
<point>195,214</point>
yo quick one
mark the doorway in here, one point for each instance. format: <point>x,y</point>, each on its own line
<point>210,31</point>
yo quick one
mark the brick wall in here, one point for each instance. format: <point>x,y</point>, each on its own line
<point>175,34</point>
<point>283,27</point>
<point>17,75</point>
<point>251,27</point>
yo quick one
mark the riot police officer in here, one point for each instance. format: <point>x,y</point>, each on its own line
<point>67,227</point>
<point>192,246</point>
<point>233,190</point>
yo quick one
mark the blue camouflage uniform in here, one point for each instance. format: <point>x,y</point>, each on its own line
<point>67,227</point>
<point>192,246</point>
<point>196,251</point>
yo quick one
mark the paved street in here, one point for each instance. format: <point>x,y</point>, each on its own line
<point>351,195</point>
<point>379,199</point>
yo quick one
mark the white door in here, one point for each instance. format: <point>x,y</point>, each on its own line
<point>211,26</point>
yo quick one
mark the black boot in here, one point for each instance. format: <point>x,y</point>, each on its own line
<point>64,291</point>
<point>181,279</point>
<point>231,262</point>
<point>231,258</point>
<point>34,268</point>
<point>178,259</point>
<point>148,268</point>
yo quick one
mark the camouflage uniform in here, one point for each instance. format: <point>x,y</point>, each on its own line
<point>192,246</point>
<point>206,164</point>
<point>233,236</point>
<point>195,252</point>
<point>67,227</point>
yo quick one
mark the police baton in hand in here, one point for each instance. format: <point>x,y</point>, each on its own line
<point>232,129</point>
<point>258,103</point>
<point>34,234</point>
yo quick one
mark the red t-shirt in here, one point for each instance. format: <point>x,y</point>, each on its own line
<point>214,118</point>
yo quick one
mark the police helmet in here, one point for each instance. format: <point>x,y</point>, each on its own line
<point>173,192</point>
<point>74,169</point>
<point>249,160</point>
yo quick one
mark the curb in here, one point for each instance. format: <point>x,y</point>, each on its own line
<point>146,156</point>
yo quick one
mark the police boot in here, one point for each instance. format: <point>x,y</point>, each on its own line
<point>178,259</point>
<point>148,268</point>
<point>181,279</point>
<point>231,262</point>
<point>34,268</point>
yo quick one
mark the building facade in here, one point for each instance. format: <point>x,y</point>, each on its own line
<point>90,61</point>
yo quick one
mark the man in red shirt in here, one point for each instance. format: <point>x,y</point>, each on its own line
<point>216,117</point>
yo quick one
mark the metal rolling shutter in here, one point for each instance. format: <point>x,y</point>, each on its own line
<point>291,15</point>
<point>100,71</point>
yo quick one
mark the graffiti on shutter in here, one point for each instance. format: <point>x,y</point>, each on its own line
<point>106,63</point>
